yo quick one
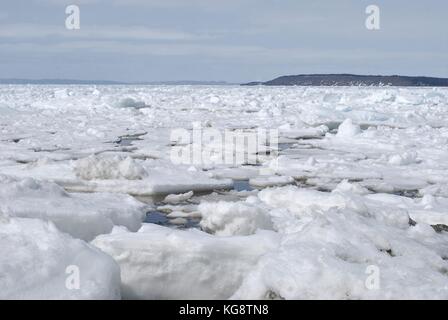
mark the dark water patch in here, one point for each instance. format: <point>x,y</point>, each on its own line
<point>160,218</point>
<point>190,224</point>
<point>242,185</point>
<point>285,146</point>
<point>156,217</point>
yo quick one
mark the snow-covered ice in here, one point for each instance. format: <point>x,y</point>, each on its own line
<point>83,216</point>
<point>37,260</point>
<point>161,263</point>
<point>358,182</point>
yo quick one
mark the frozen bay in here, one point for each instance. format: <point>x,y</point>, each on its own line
<point>358,182</point>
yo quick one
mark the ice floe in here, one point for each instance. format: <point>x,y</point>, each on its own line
<point>83,216</point>
<point>162,263</point>
<point>40,262</point>
<point>356,186</point>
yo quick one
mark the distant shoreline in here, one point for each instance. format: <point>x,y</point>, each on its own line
<point>353,80</point>
<point>316,80</point>
<point>105,82</point>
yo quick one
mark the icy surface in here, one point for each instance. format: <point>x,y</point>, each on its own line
<point>83,216</point>
<point>161,263</point>
<point>358,182</point>
<point>329,242</point>
<point>37,261</point>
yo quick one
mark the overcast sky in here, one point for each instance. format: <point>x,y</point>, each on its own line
<point>231,40</point>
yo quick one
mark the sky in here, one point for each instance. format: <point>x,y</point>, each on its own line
<point>214,40</point>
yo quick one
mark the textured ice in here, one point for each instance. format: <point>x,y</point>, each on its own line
<point>83,216</point>
<point>348,130</point>
<point>109,168</point>
<point>358,182</point>
<point>117,174</point>
<point>161,263</point>
<point>229,219</point>
<point>37,261</point>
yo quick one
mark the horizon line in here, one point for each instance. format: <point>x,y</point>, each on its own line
<point>192,82</point>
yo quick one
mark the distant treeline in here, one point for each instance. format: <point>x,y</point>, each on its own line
<point>353,80</point>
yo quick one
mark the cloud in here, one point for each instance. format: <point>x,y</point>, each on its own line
<point>246,54</point>
<point>66,2</point>
<point>184,3</point>
<point>238,37</point>
<point>203,4</point>
<point>21,31</point>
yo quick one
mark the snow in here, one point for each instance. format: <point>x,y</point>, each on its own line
<point>36,263</point>
<point>83,216</point>
<point>131,103</point>
<point>115,174</point>
<point>162,263</point>
<point>403,159</point>
<point>325,253</point>
<point>358,182</point>
<point>177,198</point>
<point>229,219</point>
<point>348,129</point>
<point>95,168</point>
<point>270,181</point>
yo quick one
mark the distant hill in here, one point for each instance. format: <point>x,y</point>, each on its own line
<point>106,82</point>
<point>353,80</point>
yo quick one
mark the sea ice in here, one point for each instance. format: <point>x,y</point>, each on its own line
<point>233,218</point>
<point>162,263</point>
<point>40,262</point>
<point>358,182</point>
<point>83,216</point>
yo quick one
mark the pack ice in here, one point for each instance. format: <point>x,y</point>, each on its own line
<point>351,204</point>
<point>37,260</point>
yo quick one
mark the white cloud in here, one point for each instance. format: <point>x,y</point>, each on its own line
<point>20,31</point>
<point>249,55</point>
<point>66,2</point>
<point>179,3</point>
